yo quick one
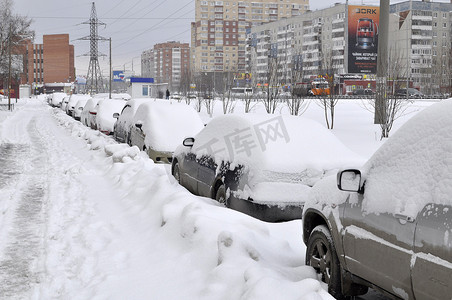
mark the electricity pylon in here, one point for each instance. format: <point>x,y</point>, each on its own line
<point>94,82</point>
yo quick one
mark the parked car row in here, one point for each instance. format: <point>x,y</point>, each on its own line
<point>385,224</point>
<point>153,125</point>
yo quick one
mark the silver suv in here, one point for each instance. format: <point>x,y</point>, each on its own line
<point>388,225</point>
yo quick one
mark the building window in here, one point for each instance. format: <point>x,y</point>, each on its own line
<point>145,90</point>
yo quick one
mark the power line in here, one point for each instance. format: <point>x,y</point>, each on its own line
<point>146,30</point>
<point>120,18</point>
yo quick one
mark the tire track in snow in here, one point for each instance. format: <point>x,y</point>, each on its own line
<point>21,254</point>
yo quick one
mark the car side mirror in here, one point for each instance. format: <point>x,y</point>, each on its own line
<point>188,142</point>
<point>116,115</point>
<point>139,124</point>
<point>350,181</point>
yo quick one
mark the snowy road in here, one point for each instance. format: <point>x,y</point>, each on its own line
<point>44,207</point>
<point>24,208</point>
<point>82,217</point>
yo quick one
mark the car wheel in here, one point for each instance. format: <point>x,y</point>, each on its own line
<point>220,195</point>
<point>176,172</point>
<point>321,255</point>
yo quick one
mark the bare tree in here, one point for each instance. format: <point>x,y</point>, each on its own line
<point>185,83</point>
<point>297,103</point>
<point>228,98</point>
<point>270,97</point>
<point>14,31</point>
<point>394,106</point>
<point>328,97</point>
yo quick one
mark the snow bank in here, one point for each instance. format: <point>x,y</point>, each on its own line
<point>194,248</point>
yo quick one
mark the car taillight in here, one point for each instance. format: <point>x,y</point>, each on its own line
<point>93,112</point>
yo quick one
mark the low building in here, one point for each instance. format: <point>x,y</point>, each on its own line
<point>144,87</point>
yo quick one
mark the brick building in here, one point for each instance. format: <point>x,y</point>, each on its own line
<point>50,62</point>
<point>167,63</point>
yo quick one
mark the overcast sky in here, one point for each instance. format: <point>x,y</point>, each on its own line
<point>133,25</point>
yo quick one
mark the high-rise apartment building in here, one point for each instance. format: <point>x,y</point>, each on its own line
<point>167,63</point>
<point>220,27</point>
<point>147,63</point>
<point>342,40</point>
<point>421,35</point>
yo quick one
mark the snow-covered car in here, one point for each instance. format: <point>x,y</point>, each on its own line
<point>78,108</point>
<point>88,113</point>
<point>262,165</point>
<point>160,126</point>
<point>388,225</point>
<point>56,99</point>
<point>124,122</point>
<point>65,102</point>
<point>70,107</point>
<point>176,96</point>
<point>105,114</point>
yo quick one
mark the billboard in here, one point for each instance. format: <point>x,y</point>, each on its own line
<point>118,76</point>
<point>363,23</point>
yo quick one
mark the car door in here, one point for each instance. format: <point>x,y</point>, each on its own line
<point>137,137</point>
<point>378,247</point>
<point>188,170</point>
<point>432,258</point>
<point>120,130</point>
<point>206,175</point>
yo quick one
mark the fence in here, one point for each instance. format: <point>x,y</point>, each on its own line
<point>4,107</point>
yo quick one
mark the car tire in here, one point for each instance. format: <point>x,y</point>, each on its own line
<point>176,172</point>
<point>321,255</point>
<point>220,195</point>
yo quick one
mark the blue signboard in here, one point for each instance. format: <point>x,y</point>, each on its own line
<point>118,76</point>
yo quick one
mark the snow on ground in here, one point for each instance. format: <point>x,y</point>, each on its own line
<point>82,217</point>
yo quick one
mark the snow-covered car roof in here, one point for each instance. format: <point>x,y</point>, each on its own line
<point>105,110</point>
<point>166,124</point>
<point>273,142</point>
<point>57,98</point>
<point>421,151</point>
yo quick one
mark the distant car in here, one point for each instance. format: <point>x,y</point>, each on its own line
<point>105,114</point>
<point>412,93</point>
<point>388,225</point>
<point>176,96</point>
<point>262,165</point>
<point>160,126</point>
<point>78,108</point>
<point>70,107</point>
<point>88,113</point>
<point>56,99</point>
<point>124,122</point>
<point>363,92</point>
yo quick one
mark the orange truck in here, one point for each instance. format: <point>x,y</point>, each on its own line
<point>319,87</point>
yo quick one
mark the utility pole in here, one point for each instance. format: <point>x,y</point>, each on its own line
<point>9,67</point>
<point>382,64</point>
<point>94,78</point>
<point>110,71</point>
